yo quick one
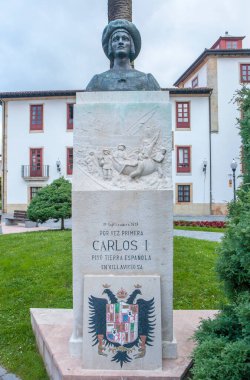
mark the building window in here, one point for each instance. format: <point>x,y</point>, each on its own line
<point>183,159</point>
<point>36,117</point>
<point>195,82</point>
<point>70,115</point>
<point>184,193</point>
<point>33,191</point>
<point>245,73</point>
<point>231,44</point>
<point>36,162</point>
<point>182,115</point>
<point>69,161</point>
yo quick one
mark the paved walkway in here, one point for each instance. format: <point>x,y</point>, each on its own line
<point>201,235</point>
<point>19,229</point>
<point>209,218</point>
<point>5,375</point>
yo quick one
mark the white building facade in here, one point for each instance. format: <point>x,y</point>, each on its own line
<point>37,141</point>
<point>224,68</point>
<point>35,151</point>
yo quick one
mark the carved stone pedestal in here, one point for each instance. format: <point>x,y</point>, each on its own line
<point>122,217</point>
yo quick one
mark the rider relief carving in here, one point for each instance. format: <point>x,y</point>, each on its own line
<point>124,165</point>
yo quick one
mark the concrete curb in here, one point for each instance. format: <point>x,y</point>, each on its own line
<point>5,375</point>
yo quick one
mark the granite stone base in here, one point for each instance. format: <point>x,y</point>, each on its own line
<point>53,327</point>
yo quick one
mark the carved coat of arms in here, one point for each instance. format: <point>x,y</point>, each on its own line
<point>122,328</point>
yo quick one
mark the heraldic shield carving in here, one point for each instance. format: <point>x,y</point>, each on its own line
<point>122,328</point>
<point>121,323</point>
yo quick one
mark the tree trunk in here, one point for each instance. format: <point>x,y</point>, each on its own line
<point>62,224</point>
<point>121,9</point>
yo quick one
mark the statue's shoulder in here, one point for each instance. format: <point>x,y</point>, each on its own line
<point>106,73</point>
<point>151,83</point>
<point>96,82</point>
<point>138,73</point>
<point>93,84</point>
<point>110,81</point>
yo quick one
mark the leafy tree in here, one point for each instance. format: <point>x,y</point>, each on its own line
<point>223,350</point>
<point>234,259</point>
<point>51,202</point>
<point>233,265</point>
<point>242,97</point>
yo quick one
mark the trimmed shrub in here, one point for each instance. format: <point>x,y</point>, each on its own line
<point>187,223</point>
<point>221,359</point>
<point>230,323</point>
<point>51,202</point>
<point>234,260</point>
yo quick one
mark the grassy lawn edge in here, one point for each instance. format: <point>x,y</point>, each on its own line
<point>35,272</point>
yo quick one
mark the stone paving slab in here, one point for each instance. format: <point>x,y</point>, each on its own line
<point>203,218</point>
<point>53,327</point>
<point>10,376</point>
<point>17,229</point>
<point>4,375</point>
<point>2,371</point>
<point>20,228</point>
<point>200,235</point>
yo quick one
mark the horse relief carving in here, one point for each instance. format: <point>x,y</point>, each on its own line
<point>121,164</point>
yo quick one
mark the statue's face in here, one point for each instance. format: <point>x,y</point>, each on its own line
<point>121,44</point>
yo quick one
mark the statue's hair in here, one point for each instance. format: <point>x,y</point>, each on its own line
<point>125,26</point>
<point>132,45</point>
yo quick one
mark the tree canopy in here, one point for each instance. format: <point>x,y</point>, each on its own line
<point>242,97</point>
<point>51,202</point>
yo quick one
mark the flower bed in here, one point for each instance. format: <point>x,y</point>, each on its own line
<point>214,224</point>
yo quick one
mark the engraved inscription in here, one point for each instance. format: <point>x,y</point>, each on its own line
<point>119,249</point>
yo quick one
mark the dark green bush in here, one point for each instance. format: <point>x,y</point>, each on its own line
<point>223,350</point>
<point>222,359</point>
<point>234,254</point>
<point>231,323</point>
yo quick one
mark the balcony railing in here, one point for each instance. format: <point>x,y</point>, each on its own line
<point>35,172</point>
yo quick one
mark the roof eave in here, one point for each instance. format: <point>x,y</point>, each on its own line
<point>37,94</point>
<point>227,38</point>
<point>206,53</point>
<point>189,90</point>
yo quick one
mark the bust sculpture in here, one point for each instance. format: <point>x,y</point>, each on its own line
<point>121,42</point>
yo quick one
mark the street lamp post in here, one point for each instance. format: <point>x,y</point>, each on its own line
<point>233,167</point>
<point>58,167</point>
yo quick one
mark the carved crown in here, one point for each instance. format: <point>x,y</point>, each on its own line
<point>121,293</point>
<point>106,286</point>
<point>137,286</point>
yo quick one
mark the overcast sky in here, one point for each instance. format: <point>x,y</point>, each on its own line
<point>56,44</point>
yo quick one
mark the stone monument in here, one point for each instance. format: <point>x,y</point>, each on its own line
<point>122,215</point>
<point>122,231</point>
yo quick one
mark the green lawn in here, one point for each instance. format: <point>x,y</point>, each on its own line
<point>195,281</point>
<point>35,271</point>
